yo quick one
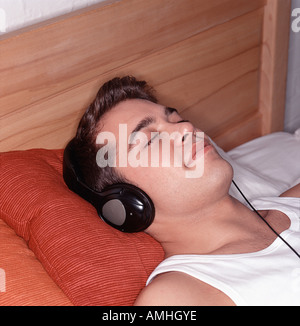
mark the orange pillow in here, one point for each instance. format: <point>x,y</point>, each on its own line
<point>92,263</point>
<point>24,282</point>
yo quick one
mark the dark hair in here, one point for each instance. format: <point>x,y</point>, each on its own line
<point>85,147</point>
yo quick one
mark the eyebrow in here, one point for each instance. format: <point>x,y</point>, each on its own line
<point>146,122</point>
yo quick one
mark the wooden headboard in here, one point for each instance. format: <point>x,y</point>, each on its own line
<point>222,63</point>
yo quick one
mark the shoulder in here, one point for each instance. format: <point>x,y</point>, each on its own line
<point>179,289</point>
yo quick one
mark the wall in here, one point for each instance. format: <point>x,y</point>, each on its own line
<point>15,14</point>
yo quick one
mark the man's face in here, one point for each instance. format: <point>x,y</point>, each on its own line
<point>188,176</point>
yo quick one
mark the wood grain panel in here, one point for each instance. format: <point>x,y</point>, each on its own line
<point>212,56</point>
<point>63,54</point>
<point>198,62</point>
<point>274,64</point>
<point>190,88</point>
<point>48,123</point>
<point>222,110</point>
<point>202,56</point>
<point>240,132</point>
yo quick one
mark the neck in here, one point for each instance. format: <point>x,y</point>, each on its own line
<point>211,230</point>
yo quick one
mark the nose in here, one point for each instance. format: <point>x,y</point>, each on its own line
<point>183,129</point>
<point>186,128</point>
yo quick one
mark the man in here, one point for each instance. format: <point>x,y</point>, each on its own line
<point>218,252</point>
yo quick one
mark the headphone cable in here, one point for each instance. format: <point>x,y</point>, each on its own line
<point>277,234</point>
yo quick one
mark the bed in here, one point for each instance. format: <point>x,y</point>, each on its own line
<point>222,63</point>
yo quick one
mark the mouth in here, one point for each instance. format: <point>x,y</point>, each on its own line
<point>200,147</point>
<point>196,151</point>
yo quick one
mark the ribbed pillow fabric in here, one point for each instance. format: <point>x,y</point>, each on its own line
<point>90,261</point>
<point>23,280</point>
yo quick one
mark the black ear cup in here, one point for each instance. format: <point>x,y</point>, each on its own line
<point>123,206</point>
<point>126,207</point>
<point>114,212</point>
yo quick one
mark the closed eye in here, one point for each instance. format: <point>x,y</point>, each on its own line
<point>181,121</point>
<point>152,139</point>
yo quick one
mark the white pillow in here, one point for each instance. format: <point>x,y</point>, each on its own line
<point>266,166</point>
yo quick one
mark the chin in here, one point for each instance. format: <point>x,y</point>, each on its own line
<point>217,176</point>
<point>223,175</point>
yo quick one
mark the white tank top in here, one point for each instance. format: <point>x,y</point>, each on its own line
<point>269,277</point>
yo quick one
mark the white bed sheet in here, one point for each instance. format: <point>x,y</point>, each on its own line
<point>266,166</point>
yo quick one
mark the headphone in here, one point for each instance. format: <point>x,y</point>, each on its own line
<point>123,206</point>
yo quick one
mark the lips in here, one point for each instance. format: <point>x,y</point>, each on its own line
<point>199,147</point>
<point>194,149</point>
